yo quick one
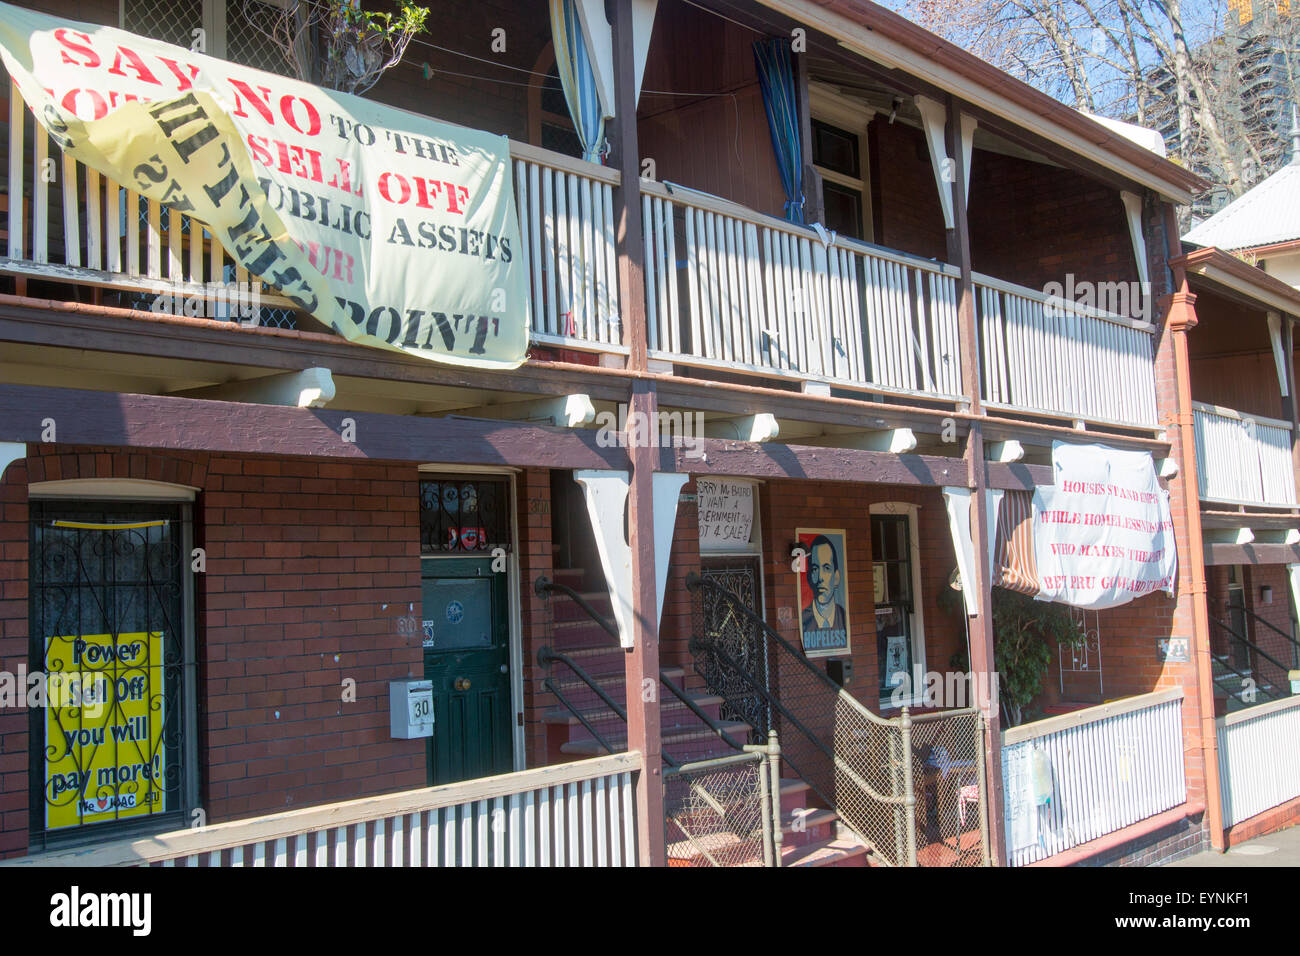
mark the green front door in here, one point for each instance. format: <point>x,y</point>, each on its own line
<point>467,656</point>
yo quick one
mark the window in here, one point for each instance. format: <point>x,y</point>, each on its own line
<point>236,30</point>
<point>114,743</point>
<point>549,123</point>
<point>900,626</point>
<point>837,156</point>
<point>464,515</point>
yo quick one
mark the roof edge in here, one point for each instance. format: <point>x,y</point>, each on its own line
<point>1215,264</point>
<point>947,62</point>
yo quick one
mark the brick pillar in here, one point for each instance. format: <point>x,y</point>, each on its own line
<point>533,489</point>
<point>13,652</point>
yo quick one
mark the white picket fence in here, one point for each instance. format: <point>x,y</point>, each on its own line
<point>730,288</point>
<point>1111,766</point>
<point>1063,359</point>
<point>566,219</point>
<point>577,814</point>
<point>1259,758</point>
<point>1242,459</point>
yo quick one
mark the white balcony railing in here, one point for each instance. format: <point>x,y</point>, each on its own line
<point>1110,766</point>
<point>86,229</point>
<point>1259,762</point>
<point>1242,459</point>
<point>577,814</point>
<point>726,287</point>
<point>1063,360</point>
<point>730,288</point>
<point>566,219</point>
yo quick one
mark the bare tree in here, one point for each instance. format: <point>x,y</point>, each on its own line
<point>1148,61</point>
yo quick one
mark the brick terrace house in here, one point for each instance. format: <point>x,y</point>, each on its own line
<point>863,380</point>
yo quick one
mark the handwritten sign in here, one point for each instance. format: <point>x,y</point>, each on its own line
<point>726,514</point>
<point>395,230</point>
<point>1103,533</point>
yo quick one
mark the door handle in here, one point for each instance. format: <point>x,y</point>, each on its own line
<point>461,683</point>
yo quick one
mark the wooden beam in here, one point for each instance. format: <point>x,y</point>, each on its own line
<point>758,428</point>
<point>642,661</point>
<point>980,627</point>
<point>1008,451</point>
<point>896,441</point>
<point>561,411</point>
<point>745,459</point>
<point>1216,554</point>
<point>626,158</point>
<point>75,326</point>
<point>1016,476</point>
<point>192,424</point>
<point>310,388</point>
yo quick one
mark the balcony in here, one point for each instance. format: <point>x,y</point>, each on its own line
<point>730,291</point>
<point>1243,460</point>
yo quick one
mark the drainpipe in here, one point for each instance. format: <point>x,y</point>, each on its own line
<point>1180,317</point>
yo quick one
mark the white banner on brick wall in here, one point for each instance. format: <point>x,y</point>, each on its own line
<point>1103,532</point>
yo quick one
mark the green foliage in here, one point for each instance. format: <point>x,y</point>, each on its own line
<point>1024,631</point>
<point>360,45</point>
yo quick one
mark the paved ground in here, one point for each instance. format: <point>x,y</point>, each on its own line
<point>1275,849</point>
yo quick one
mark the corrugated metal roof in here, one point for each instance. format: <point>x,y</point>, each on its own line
<point>1268,213</point>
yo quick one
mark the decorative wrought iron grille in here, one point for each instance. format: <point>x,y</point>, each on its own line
<point>1086,657</point>
<point>740,642</point>
<point>464,515</point>
<point>109,634</point>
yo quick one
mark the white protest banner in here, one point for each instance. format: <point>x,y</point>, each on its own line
<point>1103,533</point>
<point>394,229</point>
<point>726,510</point>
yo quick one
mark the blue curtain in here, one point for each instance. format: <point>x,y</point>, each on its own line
<point>775,65</point>
<point>577,78</point>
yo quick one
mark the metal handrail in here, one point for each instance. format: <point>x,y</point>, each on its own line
<point>544,587</point>
<point>1272,627</point>
<point>1252,645</point>
<point>695,581</point>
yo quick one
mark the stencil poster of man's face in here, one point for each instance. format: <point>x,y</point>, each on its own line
<point>823,593</point>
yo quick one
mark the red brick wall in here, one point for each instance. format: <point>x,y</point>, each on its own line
<point>1278,614</point>
<point>307,562</point>
<point>1031,224</point>
<point>718,140</point>
<point>787,506</point>
<point>13,648</point>
<point>904,198</point>
<point>492,96</point>
<point>533,503</point>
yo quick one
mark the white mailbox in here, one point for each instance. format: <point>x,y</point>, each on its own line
<point>410,708</point>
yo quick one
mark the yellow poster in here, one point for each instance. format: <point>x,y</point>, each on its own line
<point>395,230</point>
<point>105,709</point>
